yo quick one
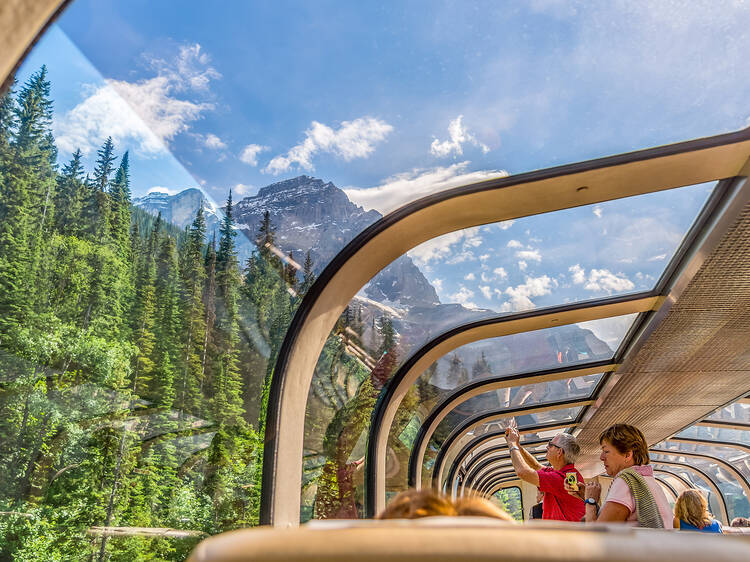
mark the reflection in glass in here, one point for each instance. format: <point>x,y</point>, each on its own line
<point>737,412</point>
<point>696,481</point>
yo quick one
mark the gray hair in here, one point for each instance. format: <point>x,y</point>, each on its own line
<point>569,444</point>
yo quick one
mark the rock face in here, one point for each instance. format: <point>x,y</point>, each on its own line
<point>310,214</point>
<point>180,210</point>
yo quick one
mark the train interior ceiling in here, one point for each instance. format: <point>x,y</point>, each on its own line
<point>214,336</point>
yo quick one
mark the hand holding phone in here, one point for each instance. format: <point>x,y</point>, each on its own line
<point>572,481</point>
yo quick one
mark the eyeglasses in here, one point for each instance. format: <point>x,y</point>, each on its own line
<point>553,445</point>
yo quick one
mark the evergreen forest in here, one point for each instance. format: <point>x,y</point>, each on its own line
<point>136,358</point>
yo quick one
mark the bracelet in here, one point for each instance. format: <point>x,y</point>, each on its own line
<point>514,448</point>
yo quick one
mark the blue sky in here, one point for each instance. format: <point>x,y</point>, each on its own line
<point>394,100</point>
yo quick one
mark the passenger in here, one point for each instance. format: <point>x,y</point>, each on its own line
<point>536,510</point>
<point>413,504</point>
<point>480,507</point>
<point>740,522</point>
<point>562,452</point>
<point>691,513</point>
<point>634,496</point>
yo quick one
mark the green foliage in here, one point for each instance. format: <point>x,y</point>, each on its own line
<point>122,399</point>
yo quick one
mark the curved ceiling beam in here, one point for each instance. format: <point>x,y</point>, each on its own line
<point>500,478</point>
<point>476,388</point>
<point>503,485</point>
<point>489,456</point>
<point>720,424</point>
<point>710,481</point>
<point>476,442</point>
<point>492,463</point>
<point>415,470</point>
<point>455,438</point>
<point>22,23</point>
<point>499,449</point>
<point>458,475</point>
<point>491,201</point>
<point>692,441</point>
<point>724,464</point>
<point>676,476</point>
<point>667,486</point>
<point>406,376</point>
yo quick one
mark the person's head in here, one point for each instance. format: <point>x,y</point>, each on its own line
<point>480,507</point>
<point>413,504</point>
<point>623,446</point>
<point>691,506</point>
<point>539,495</point>
<point>740,522</point>
<point>562,449</point>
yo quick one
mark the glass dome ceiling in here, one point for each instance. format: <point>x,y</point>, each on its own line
<point>327,117</point>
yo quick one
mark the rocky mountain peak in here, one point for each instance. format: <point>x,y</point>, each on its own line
<point>303,182</point>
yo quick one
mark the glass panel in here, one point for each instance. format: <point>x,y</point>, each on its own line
<point>716,434</point>
<point>509,499</point>
<point>732,490</point>
<point>137,357</point>
<point>737,458</point>
<point>551,416</point>
<point>736,412</point>
<point>696,481</point>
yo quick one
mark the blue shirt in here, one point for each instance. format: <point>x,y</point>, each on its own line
<point>713,527</point>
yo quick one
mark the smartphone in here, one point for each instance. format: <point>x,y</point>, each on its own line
<point>572,481</point>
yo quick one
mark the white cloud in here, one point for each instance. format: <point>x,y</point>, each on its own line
<point>441,248</point>
<point>470,277</point>
<point>598,211</point>
<point>161,189</point>
<point>462,297</point>
<point>658,258</point>
<point>578,274</point>
<point>484,257</point>
<point>459,135</point>
<point>522,265</point>
<point>486,291</point>
<point>146,114</point>
<point>529,255</point>
<point>500,272</point>
<point>601,280</point>
<point>402,188</point>
<point>353,139</point>
<point>243,189</point>
<point>466,255</point>
<point>521,295</point>
<point>514,244</point>
<point>438,284</point>
<point>213,142</point>
<point>249,154</point>
<point>505,225</point>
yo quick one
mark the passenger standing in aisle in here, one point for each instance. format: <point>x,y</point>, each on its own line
<point>562,452</point>
<point>635,496</point>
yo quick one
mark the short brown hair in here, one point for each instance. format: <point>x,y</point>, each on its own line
<point>413,504</point>
<point>624,438</point>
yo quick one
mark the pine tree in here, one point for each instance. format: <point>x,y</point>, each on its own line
<point>104,165</point>
<point>193,278</point>
<point>70,196</point>
<point>457,374</point>
<point>120,206</point>
<point>308,276</point>
<point>227,397</point>
<point>166,291</point>
<point>290,273</point>
<point>481,368</point>
<point>387,333</point>
<point>34,112</point>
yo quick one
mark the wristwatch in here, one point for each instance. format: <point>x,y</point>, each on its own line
<point>590,501</point>
<point>514,448</point>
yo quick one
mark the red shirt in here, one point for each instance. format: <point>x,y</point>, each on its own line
<point>559,504</point>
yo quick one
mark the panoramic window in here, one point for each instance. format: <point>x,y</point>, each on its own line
<point>175,176</point>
